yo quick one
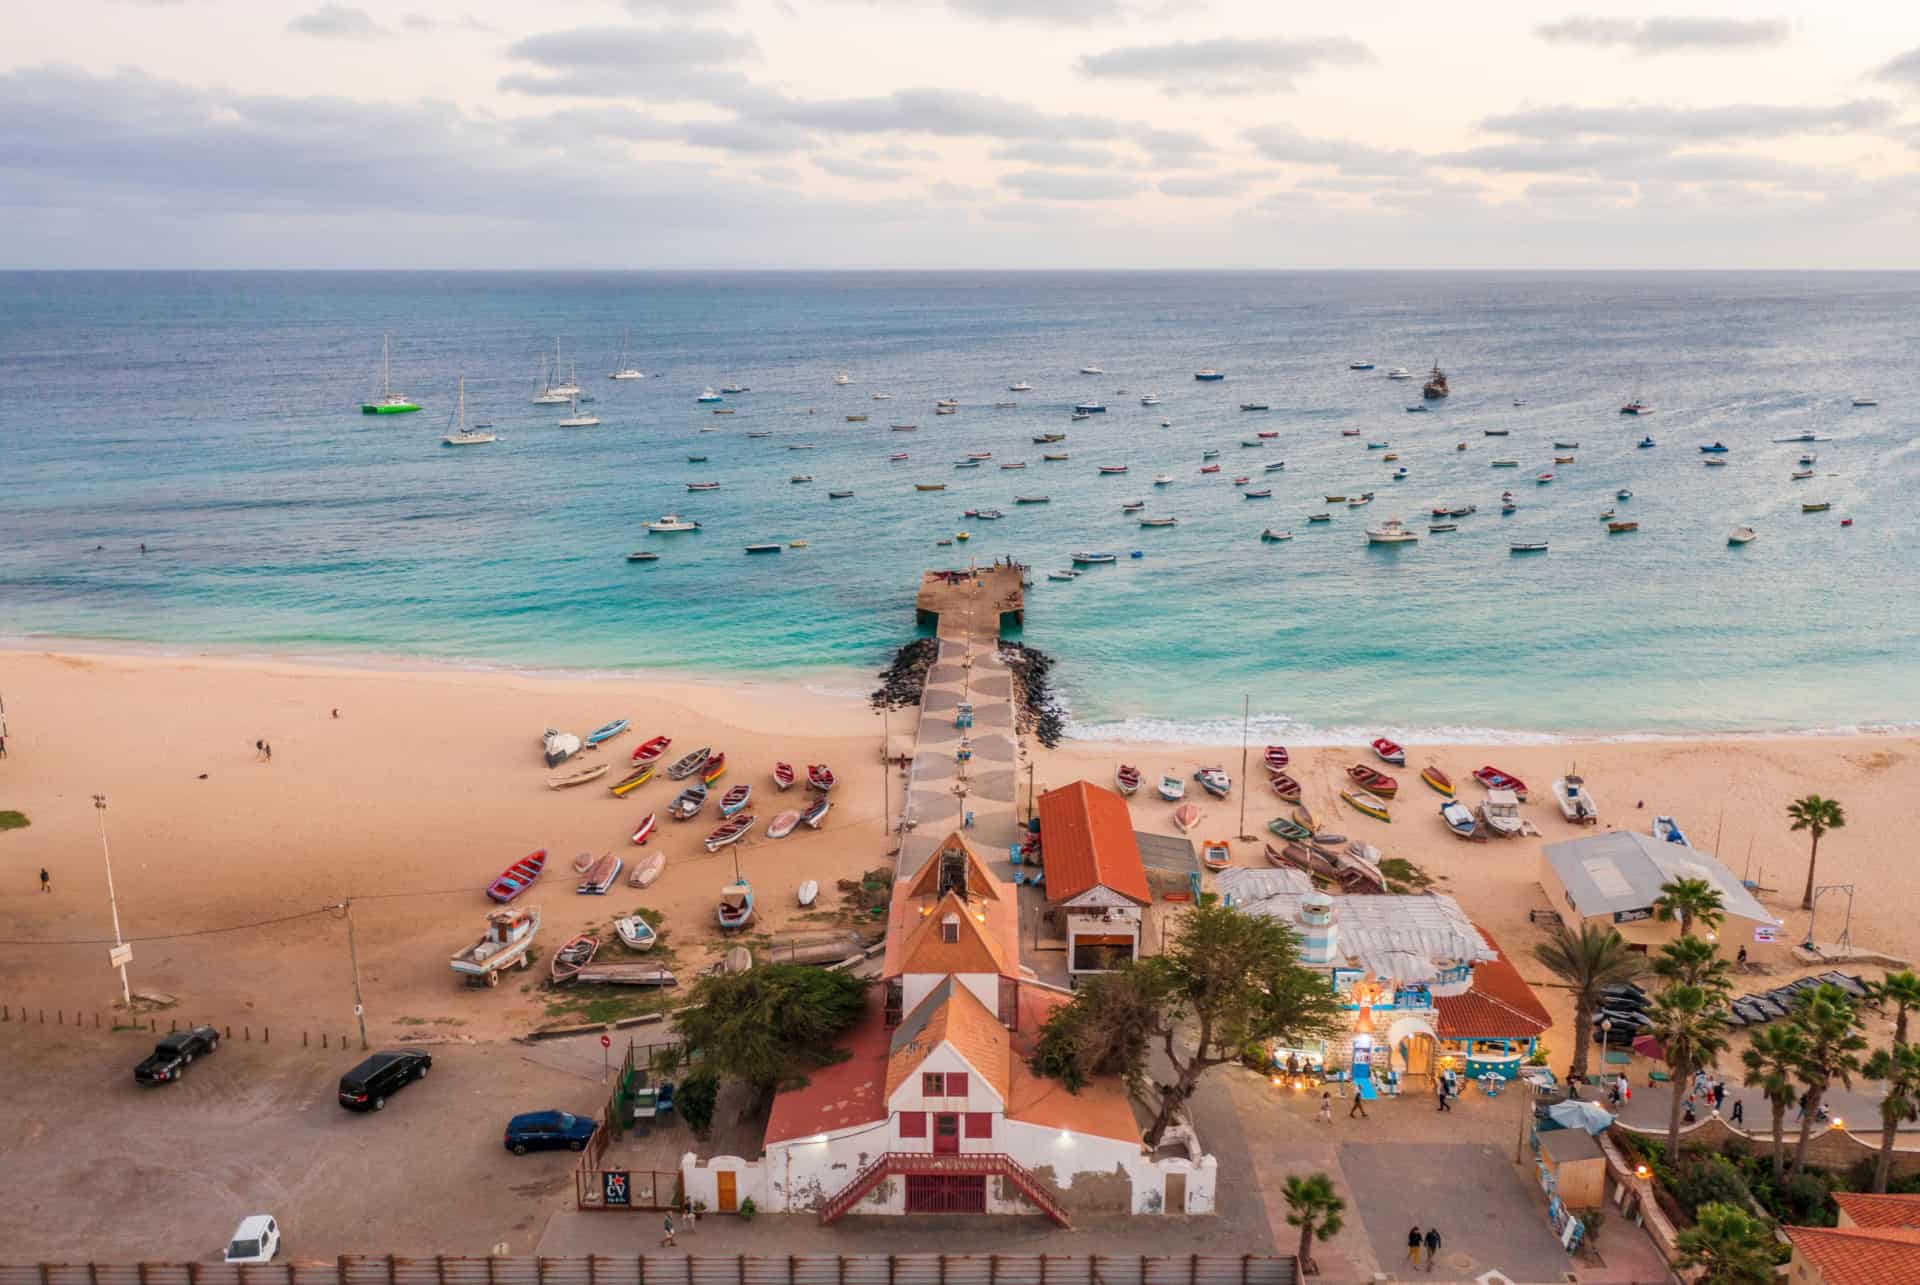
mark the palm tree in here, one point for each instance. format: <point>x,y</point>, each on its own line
<point>1728,1245</point>
<point>1588,961</point>
<point>1902,990</point>
<point>1816,816</point>
<point>1899,1066</point>
<point>1313,1207</point>
<point>1772,1060</point>
<point>1689,1022</point>
<point>1691,901</point>
<point>1693,961</point>
<point>1831,1024</point>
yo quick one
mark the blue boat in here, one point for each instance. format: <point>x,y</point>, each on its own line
<point>1718,448</point>
<point>1089,408</point>
<point>1645,443</point>
<point>1667,828</point>
<point>607,732</point>
<point>735,910</point>
<point>1208,376</point>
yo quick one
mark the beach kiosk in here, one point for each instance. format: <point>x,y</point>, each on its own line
<point>1095,880</point>
<point>1615,878</point>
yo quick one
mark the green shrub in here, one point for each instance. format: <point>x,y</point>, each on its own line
<point>1714,1180</point>
<point>1808,1198</point>
<point>696,1098</point>
<point>748,1209</point>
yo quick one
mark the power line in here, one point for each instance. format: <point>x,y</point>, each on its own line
<point>329,909</point>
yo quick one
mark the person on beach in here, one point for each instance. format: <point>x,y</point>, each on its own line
<point>666,1241</point>
<point>1326,1107</point>
<point>1740,960</point>
<point>269,750</point>
<point>46,880</point>
<point>1413,1246</point>
<point>336,713</point>
<point>1359,1107</point>
<point>259,749</point>
<point>1433,1246</point>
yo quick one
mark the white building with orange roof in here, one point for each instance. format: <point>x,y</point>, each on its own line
<point>935,1109</point>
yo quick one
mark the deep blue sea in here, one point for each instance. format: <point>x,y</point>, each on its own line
<point>216,418</point>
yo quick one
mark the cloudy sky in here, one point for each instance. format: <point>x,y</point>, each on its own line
<point>958,133</point>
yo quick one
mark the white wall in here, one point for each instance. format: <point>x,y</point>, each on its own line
<point>915,987</point>
<point>980,1096</point>
<point>698,1183</point>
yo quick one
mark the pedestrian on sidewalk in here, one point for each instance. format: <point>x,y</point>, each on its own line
<point>1359,1107</point>
<point>1433,1246</point>
<point>1413,1246</point>
<point>1738,1107</point>
<point>667,1241</point>
<point>1443,1096</point>
<point>46,880</point>
<point>1719,1094</point>
<point>1326,1107</point>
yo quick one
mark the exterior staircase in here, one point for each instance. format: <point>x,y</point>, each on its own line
<point>905,1163</point>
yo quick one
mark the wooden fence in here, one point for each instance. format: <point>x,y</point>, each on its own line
<point>661,1269</point>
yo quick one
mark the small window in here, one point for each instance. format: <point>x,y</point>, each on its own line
<point>956,1084</point>
<point>979,1124</point>
<point>913,1124</point>
<point>932,1084</point>
<point>950,929</point>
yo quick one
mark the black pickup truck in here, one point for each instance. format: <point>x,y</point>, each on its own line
<point>169,1059</point>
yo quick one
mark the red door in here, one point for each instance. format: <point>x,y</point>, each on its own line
<point>946,1134</point>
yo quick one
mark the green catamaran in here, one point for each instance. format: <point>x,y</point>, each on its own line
<point>389,402</point>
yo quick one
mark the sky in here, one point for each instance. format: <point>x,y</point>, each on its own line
<point>958,134</point>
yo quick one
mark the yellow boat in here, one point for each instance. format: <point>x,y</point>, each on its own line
<point>1304,815</point>
<point>634,780</point>
<point>963,535</point>
<point>929,486</point>
<point>1438,780</point>
<point>1361,801</point>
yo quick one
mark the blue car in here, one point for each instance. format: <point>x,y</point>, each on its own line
<point>547,1131</point>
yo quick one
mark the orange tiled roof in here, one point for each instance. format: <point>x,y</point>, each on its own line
<point>950,1014</point>
<point>927,951</point>
<point>1100,1108</point>
<point>846,1094</point>
<point>1860,1255</point>
<point>1500,1006</point>
<point>1868,1210</point>
<point>1086,841</point>
<point>980,881</point>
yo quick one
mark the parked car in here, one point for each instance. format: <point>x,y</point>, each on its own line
<point>548,1130</point>
<point>1625,995</point>
<point>255,1240</point>
<point>169,1059</point>
<point>368,1086</point>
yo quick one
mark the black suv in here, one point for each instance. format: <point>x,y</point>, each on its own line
<point>368,1086</point>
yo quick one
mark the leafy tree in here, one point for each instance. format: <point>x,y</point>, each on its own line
<point>1689,1022</point>
<point>1772,1061</point>
<point>772,1024</point>
<point>1227,979</point>
<point>1816,816</point>
<point>1588,961</point>
<point>1899,1066</point>
<point>1831,1025</point>
<point>1728,1245</point>
<point>1313,1207</point>
<point>1694,961</point>
<point>1690,901</point>
<point>1902,990</point>
<point>698,1095</point>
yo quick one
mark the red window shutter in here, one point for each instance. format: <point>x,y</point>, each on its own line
<point>913,1124</point>
<point>979,1124</point>
<point>932,1084</point>
<point>956,1084</point>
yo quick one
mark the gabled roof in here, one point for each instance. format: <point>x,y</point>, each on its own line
<point>950,1015</point>
<point>1086,838</point>
<point>1500,1006</point>
<point>927,951</point>
<point>980,881</point>
<point>846,1094</point>
<point>1624,870</point>
<point>1860,1255</point>
<point>1888,1210</point>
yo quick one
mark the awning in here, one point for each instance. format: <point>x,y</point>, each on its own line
<point>1102,939</point>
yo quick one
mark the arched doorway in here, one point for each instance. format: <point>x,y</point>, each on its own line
<point>1415,1046</point>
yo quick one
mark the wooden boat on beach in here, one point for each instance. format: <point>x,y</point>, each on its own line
<point>1437,780</point>
<point>783,776</point>
<point>817,814</point>
<point>579,776</point>
<point>1576,802</point>
<point>1216,854</point>
<point>1304,815</point>
<point>606,732</point>
<point>686,805</point>
<point>1172,788</point>
<point>782,825</point>
<point>1373,781</point>
<point>820,777</point>
<point>735,910</point>
<point>1458,818</point>
<point>650,751</point>
<point>644,831</point>
<point>1288,828</point>
<point>635,933</point>
<point>1500,810</point>
<point>508,938</point>
<point>735,799</point>
<point>600,876</point>
<point>1371,805</point>
<point>1215,781</point>
<point>1126,778</point>
<point>1276,758</point>
<point>632,780</point>
<point>1186,816</point>
<point>625,975</point>
<point>714,768</point>
<point>1494,779</point>
<point>807,893</point>
<point>1285,786</point>
<point>574,956</point>
<point>518,877</point>
<point>1389,751</point>
<point>732,832</point>
<point>646,871</point>
<point>689,764</point>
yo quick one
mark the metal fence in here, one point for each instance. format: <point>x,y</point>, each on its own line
<point>660,1269</point>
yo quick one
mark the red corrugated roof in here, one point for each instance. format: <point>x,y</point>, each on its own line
<point>845,1094</point>
<point>1886,1210</point>
<point>1860,1255</point>
<point>1086,841</point>
<point>1500,1006</point>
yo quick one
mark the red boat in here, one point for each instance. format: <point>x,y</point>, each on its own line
<point>1267,434</point>
<point>783,776</point>
<point>820,777</point>
<point>650,751</point>
<point>714,768</point>
<point>644,830</point>
<point>518,877</point>
<point>1389,752</point>
<point>1494,779</point>
<point>1127,778</point>
<point>1373,782</point>
<point>1285,786</point>
<point>1277,759</point>
<point>1209,468</point>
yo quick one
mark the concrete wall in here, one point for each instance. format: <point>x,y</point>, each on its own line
<point>698,1183</point>
<point>1835,1150</point>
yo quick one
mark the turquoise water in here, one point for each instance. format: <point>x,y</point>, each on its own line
<point>215,417</point>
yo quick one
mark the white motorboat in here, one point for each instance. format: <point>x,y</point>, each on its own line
<point>669,522</point>
<point>1392,531</point>
<point>461,436</point>
<point>1063,574</point>
<point>1159,521</point>
<point>1806,435</point>
<point>842,379</point>
<point>1360,365</point>
<point>1271,536</point>
<point>1092,369</point>
<point>1665,827</point>
<point>1022,387</point>
<point>559,746</point>
<point>1163,479</point>
<point>1173,788</point>
<point>707,395</point>
<point>1500,810</point>
<point>1399,372</point>
<point>626,369</point>
<point>575,419</point>
<point>1150,400</point>
<point>1576,801</point>
<point>1742,534</point>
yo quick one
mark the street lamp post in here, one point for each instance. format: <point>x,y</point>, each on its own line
<point>120,951</point>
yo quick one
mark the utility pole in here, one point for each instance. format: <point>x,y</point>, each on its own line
<point>1246,718</point>
<point>886,761</point>
<point>121,954</point>
<point>353,954</point>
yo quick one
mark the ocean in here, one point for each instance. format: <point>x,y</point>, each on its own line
<point>215,417</point>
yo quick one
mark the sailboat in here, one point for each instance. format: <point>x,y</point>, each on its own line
<point>389,402</point>
<point>575,419</point>
<point>548,394</point>
<point>461,435</point>
<point>626,369</point>
<point>572,387</point>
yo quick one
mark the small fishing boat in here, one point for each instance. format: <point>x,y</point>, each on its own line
<point>1441,528</point>
<point>583,862</point>
<point>1623,494</point>
<point>559,746</point>
<point>1186,816</point>
<point>1527,546</point>
<point>690,764</point>
<point>1718,448</point>
<point>1497,432</point>
<point>1820,506</point>
<point>632,780</point>
<point>650,751</point>
<point>1621,528</point>
<point>816,813</point>
<point>1056,457</point>
<point>732,831</point>
<point>713,769</point>
<point>1576,801</point>
<point>1215,781</point>
<point>735,799</point>
<point>1172,788</point>
<point>929,486</point>
<point>1304,815</point>
<point>1276,758</point>
<point>1458,817</point>
<point>1273,466</point>
<point>783,776</point>
<point>1439,782</point>
<point>579,776</point>
<point>1667,829</point>
<point>1563,459</point>
<point>1271,536</point>
<point>601,874</point>
<point>839,495</point>
<point>1063,574</point>
<point>1566,446</point>
<point>1215,854</point>
<point>1715,461</point>
<point>1112,470</point>
<point>1400,474</point>
<point>1636,407</point>
<point>686,805</point>
<point>1126,778</point>
<point>1284,786</point>
<point>1289,829</point>
<point>1031,499</point>
<point>1090,408</point>
<point>1500,812</point>
<point>1373,781</point>
<point>808,892</point>
<point>1360,500</point>
<point>647,869</point>
<point>572,957</point>
<point>801,477</point>
<point>518,877</point>
<point>1158,522</point>
<point>1361,801</point>
<point>856,419</point>
<point>635,933</point>
<point>643,555</point>
<point>1085,559</point>
<point>735,910</point>
<point>820,777</point>
<point>1742,535</point>
<point>1494,779</point>
<point>1389,751</point>
<point>1503,464</point>
<point>897,456</point>
<point>1319,517</point>
<point>1645,443</point>
<point>1012,464</point>
<point>782,825</point>
<point>1254,406</point>
<point>1543,478</point>
<point>1262,493</point>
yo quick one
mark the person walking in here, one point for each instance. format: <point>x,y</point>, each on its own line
<point>1443,1095</point>
<point>666,1241</point>
<point>259,749</point>
<point>1433,1246</point>
<point>46,880</point>
<point>269,748</point>
<point>1326,1107</point>
<point>1413,1246</point>
<point>1738,1107</point>
<point>1359,1107</point>
<point>1719,1094</point>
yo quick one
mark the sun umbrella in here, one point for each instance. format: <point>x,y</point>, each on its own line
<point>1590,1116</point>
<point>1648,1046</point>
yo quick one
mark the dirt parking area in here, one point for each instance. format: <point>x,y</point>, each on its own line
<point>99,1167</point>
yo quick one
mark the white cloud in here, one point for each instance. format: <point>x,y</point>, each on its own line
<point>1225,64</point>
<point>1668,35</point>
<point>1904,70</point>
<point>865,171</point>
<point>338,22</point>
<point>1050,185</point>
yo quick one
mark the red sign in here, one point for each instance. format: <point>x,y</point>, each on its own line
<point>606,1041</point>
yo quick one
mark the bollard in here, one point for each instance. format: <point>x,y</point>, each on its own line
<point>153,1024</point>
<point>172,1025</point>
<point>323,1039</point>
<point>245,1031</point>
<point>303,1039</point>
<point>96,1019</point>
<point>266,1035</point>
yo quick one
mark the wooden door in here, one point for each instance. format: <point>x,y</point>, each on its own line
<point>946,1134</point>
<point>724,1194</point>
<point>1176,1193</point>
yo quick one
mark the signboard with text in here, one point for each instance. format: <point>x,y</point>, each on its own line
<point>615,1187</point>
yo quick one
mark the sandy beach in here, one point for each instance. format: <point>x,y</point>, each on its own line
<point>430,782</point>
